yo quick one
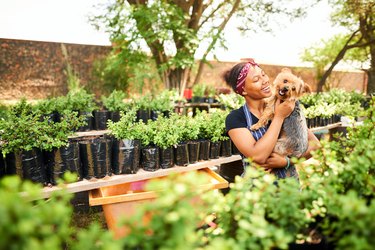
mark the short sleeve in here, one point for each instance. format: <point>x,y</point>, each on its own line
<point>235,119</point>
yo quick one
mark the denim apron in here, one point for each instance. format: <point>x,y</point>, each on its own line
<point>257,134</point>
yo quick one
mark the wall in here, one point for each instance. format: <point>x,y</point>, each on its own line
<point>36,70</point>
<point>348,80</point>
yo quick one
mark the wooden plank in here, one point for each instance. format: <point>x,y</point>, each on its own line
<point>328,127</point>
<point>91,133</point>
<point>98,196</point>
<point>86,185</point>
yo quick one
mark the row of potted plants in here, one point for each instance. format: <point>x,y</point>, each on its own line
<point>131,144</point>
<point>322,109</point>
<point>202,93</point>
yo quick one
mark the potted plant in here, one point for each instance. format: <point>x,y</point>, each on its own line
<point>114,103</point>
<point>48,109</point>
<point>143,106</point>
<point>187,134</point>
<point>83,102</point>
<point>162,104</point>
<point>192,137</point>
<point>166,138</point>
<point>215,130</point>
<point>231,101</point>
<point>150,159</point>
<point>126,146</point>
<point>198,93</point>
<point>24,137</point>
<point>202,119</point>
<point>210,94</point>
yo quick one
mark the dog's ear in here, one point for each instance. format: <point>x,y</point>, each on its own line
<point>307,88</point>
<point>286,70</point>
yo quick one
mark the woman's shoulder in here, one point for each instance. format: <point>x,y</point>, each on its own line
<point>235,119</point>
<point>236,113</point>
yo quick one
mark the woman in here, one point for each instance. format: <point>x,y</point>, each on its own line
<point>250,81</point>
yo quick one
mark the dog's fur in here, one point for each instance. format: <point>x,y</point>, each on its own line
<point>293,139</point>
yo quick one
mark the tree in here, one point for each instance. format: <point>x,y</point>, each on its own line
<point>358,44</point>
<point>171,32</point>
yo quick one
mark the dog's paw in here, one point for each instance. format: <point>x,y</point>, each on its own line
<point>256,126</point>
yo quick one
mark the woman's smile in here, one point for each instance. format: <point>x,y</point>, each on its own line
<point>266,89</point>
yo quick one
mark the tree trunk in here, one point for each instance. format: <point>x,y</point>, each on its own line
<point>330,69</point>
<point>371,71</point>
<point>371,81</point>
<point>177,78</point>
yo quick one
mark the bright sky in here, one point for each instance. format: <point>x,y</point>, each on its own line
<point>66,21</point>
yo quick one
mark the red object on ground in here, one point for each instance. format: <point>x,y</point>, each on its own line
<point>188,93</point>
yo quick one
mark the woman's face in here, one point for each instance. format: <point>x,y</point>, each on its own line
<point>257,85</point>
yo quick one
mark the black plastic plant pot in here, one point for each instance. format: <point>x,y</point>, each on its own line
<point>96,157</point>
<point>28,165</point>
<point>52,117</point>
<point>235,150</point>
<point>337,118</point>
<point>154,115</point>
<point>167,113</point>
<point>314,122</point>
<point>193,147</point>
<point>125,156</point>
<point>318,122</point>
<point>197,99</point>
<point>88,120</point>
<point>210,100</point>
<point>166,158</point>
<point>143,115</point>
<point>114,116</point>
<point>204,150</point>
<point>101,117</point>
<point>61,160</point>
<point>330,120</point>
<point>215,149</point>
<point>150,159</point>
<point>226,148</point>
<point>181,153</point>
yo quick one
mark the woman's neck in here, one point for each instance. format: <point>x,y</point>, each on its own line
<point>256,106</point>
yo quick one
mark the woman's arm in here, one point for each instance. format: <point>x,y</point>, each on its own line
<point>278,161</point>
<point>260,150</point>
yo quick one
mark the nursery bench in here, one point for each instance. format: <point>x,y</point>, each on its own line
<point>91,184</point>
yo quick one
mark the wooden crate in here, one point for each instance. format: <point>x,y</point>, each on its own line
<point>123,200</point>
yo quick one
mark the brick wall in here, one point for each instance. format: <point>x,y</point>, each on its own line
<point>35,69</point>
<point>348,80</point>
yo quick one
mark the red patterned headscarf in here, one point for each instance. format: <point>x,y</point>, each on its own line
<point>243,74</point>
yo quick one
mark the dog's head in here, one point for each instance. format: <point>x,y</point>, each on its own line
<point>288,86</point>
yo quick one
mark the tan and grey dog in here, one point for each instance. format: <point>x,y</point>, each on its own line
<point>293,139</point>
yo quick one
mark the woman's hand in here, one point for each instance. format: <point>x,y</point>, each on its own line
<point>275,161</point>
<point>284,109</point>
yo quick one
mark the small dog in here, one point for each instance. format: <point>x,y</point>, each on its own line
<point>293,139</point>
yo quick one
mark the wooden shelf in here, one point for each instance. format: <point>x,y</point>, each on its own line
<point>328,127</point>
<point>86,185</point>
<point>91,133</point>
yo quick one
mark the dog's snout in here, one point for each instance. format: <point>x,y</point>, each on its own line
<point>286,88</point>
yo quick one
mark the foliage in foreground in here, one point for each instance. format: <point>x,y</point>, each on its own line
<point>334,203</point>
<point>29,222</point>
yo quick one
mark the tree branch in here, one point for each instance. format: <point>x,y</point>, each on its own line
<point>338,58</point>
<point>214,40</point>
